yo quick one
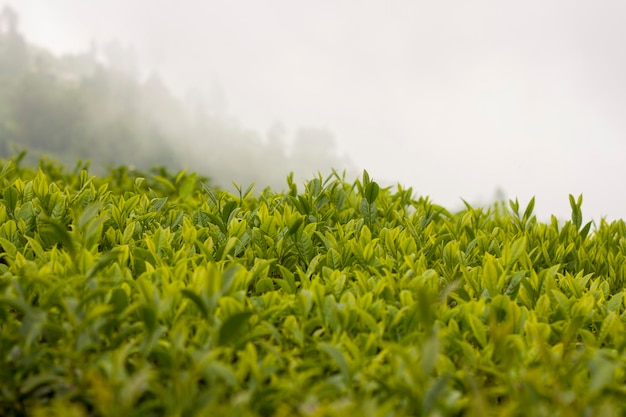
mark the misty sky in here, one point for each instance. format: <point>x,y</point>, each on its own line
<point>455,98</point>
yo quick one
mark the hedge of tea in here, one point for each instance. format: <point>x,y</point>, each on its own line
<point>160,296</point>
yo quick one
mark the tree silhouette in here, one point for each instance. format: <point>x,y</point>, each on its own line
<point>77,106</point>
<point>13,53</point>
<point>9,21</point>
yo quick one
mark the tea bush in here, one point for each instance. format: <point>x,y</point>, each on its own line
<point>130,295</point>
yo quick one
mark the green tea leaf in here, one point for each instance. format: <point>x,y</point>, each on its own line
<point>232,328</point>
<point>338,358</point>
<point>369,211</point>
<point>371,192</point>
<point>11,198</point>
<point>304,244</point>
<point>195,298</point>
<point>478,330</point>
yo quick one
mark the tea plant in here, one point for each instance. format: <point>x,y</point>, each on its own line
<point>131,295</point>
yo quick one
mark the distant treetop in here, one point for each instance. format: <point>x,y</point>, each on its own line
<point>9,20</point>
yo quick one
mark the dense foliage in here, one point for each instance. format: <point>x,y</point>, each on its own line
<point>146,296</point>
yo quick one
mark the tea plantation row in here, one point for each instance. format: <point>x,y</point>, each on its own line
<point>156,295</point>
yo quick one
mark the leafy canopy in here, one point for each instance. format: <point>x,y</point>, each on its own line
<point>128,295</point>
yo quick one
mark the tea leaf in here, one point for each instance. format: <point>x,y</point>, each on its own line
<point>338,358</point>
<point>371,192</point>
<point>11,199</point>
<point>232,328</point>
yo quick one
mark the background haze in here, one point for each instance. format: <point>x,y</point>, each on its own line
<point>458,99</point>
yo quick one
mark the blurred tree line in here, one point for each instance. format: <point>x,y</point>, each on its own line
<point>93,105</point>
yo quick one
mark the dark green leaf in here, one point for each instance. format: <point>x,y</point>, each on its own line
<point>195,298</point>
<point>11,198</point>
<point>371,192</point>
<point>233,327</point>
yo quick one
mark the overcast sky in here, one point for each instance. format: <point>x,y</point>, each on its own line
<point>456,98</point>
